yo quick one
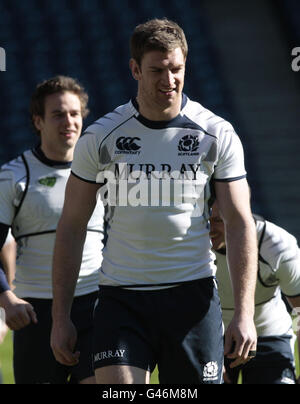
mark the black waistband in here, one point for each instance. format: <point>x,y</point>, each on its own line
<point>153,285</point>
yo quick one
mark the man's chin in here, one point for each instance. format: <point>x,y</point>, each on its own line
<point>169,100</point>
<point>70,142</point>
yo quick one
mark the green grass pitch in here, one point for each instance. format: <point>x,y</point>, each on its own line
<point>7,370</point>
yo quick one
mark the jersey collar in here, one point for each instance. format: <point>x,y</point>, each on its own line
<point>159,124</point>
<point>39,154</point>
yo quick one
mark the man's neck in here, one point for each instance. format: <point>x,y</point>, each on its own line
<point>63,156</point>
<point>157,114</point>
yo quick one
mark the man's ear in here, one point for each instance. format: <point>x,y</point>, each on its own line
<point>38,121</point>
<point>135,69</point>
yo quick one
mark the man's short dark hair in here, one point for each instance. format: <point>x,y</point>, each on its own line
<point>157,35</point>
<point>57,84</point>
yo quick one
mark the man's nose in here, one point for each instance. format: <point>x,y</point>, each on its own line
<point>168,78</point>
<point>68,119</point>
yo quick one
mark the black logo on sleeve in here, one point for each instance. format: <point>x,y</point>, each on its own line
<point>188,145</point>
<point>128,145</point>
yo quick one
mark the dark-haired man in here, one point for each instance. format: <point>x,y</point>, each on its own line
<point>32,188</point>
<point>278,271</point>
<point>154,158</point>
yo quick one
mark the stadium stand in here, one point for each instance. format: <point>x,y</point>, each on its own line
<point>255,57</point>
<point>88,39</point>
<point>289,10</point>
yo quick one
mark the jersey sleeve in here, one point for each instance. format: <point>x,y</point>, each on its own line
<point>281,251</point>
<point>230,165</point>
<point>288,272</point>
<point>7,195</point>
<point>85,163</point>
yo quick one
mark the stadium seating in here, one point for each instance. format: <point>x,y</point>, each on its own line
<point>290,10</point>
<point>89,39</point>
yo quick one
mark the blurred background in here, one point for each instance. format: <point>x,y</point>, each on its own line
<point>239,66</point>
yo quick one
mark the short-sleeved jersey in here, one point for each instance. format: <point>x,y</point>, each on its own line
<point>157,177</point>
<point>278,270</point>
<point>32,193</point>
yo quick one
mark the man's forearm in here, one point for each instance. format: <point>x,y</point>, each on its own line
<point>66,265</point>
<point>241,241</point>
<point>8,260</point>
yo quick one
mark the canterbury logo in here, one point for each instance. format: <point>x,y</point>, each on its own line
<point>128,143</point>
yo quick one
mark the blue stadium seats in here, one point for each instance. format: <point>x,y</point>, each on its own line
<point>89,39</point>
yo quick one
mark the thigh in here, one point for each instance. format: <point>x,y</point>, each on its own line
<point>192,349</point>
<point>122,335</point>
<point>33,360</point>
<point>122,375</point>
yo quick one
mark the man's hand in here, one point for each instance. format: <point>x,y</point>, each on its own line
<point>63,341</point>
<point>240,338</point>
<point>18,312</point>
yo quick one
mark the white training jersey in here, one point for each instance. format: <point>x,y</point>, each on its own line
<point>31,200</point>
<point>157,190</point>
<point>278,270</point>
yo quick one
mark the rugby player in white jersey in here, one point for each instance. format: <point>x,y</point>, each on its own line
<point>278,271</point>
<point>158,302</point>
<point>32,190</point>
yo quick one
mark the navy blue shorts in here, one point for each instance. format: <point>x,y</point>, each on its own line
<point>179,329</point>
<point>273,364</point>
<point>34,362</point>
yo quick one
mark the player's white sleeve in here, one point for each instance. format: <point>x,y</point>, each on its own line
<point>281,251</point>
<point>288,272</point>
<point>7,196</point>
<point>230,165</point>
<point>85,163</point>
